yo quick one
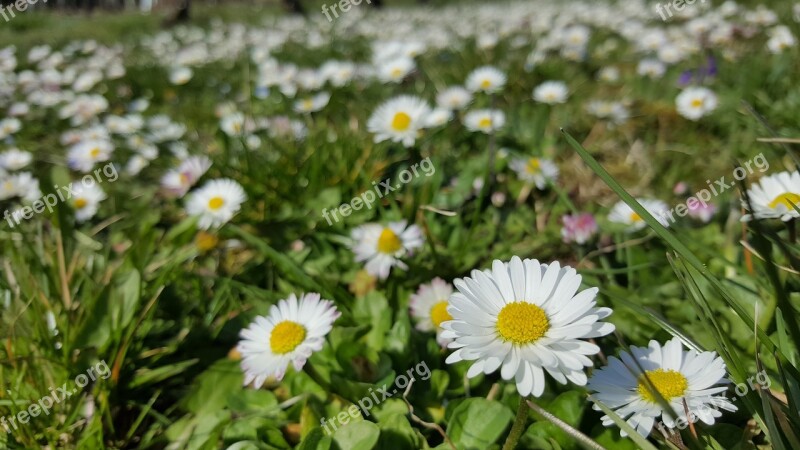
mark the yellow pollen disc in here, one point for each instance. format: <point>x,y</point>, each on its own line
<point>485,122</point>
<point>389,242</point>
<point>698,102</point>
<point>786,200</point>
<point>486,84</point>
<point>439,313</point>
<point>237,128</point>
<point>401,121</point>
<point>286,336</point>
<point>216,203</point>
<point>635,217</point>
<point>669,383</point>
<point>550,96</point>
<point>396,72</point>
<point>307,104</point>
<point>522,323</point>
<point>95,152</point>
<point>80,203</point>
<point>534,166</point>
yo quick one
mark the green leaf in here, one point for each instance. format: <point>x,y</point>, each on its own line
<point>477,423</point>
<point>316,439</point>
<point>360,435</point>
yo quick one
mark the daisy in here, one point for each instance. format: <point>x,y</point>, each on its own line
<point>686,379</point>
<point>232,124</point>
<point>429,307</point>
<point>9,126</point>
<point>395,70</point>
<point>177,182</point>
<point>551,92</point>
<point>438,117</point>
<point>486,79</point>
<point>383,246</point>
<point>454,98</point>
<point>216,202</point>
<point>525,318</point>
<point>399,119</point>
<point>484,120</point>
<point>15,159</point>
<point>540,171</point>
<point>180,75</point>
<point>774,197</point>
<point>293,330</point>
<point>85,154</point>
<point>696,102</point>
<point>651,68</point>
<point>85,200</point>
<point>623,214</point>
<point>312,104</point>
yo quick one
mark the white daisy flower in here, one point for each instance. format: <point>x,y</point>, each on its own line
<point>551,92</point>
<point>438,117</point>
<point>429,307</point>
<point>232,124</point>
<point>177,182</point>
<point>484,120</point>
<point>313,103</point>
<point>652,68</point>
<point>623,214</point>
<point>293,330</point>
<point>696,102</point>
<point>525,318</point>
<point>627,386</point>
<point>216,202</point>
<point>15,159</point>
<point>180,75</point>
<point>454,98</point>
<point>399,119</point>
<point>773,197</point>
<point>85,154</point>
<point>540,171</point>
<point>396,69</point>
<point>486,79</point>
<point>9,126</point>
<point>383,246</point>
<point>85,200</point>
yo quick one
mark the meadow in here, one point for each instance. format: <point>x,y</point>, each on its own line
<point>477,225</point>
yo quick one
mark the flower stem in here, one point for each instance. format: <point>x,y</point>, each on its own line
<point>519,426</point>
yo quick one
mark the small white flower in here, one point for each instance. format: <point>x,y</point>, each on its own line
<point>774,197</point>
<point>454,98</point>
<point>623,214</point>
<point>216,202</point>
<point>429,307</point>
<point>85,200</point>
<point>485,120</point>
<point>381,247</point>
<point>696,102</point>
<point>540,171</point>
<point>399,120</point>
<point>291,333</point>
<point>525,318</point>
<point>313,103</point>
<point>180,75</point>
<point>15,159</point>
<point>85,154</point>
<point>486,79</point>
<point>395,70</point>
<point>686,379</point>
<point>551,92</point>
<point>651,68</point>
<point>177,182</point>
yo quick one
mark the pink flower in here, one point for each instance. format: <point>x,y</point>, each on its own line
<point>702,211</point>
<point>578,228</point>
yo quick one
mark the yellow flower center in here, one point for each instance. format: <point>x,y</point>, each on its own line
<point>307,103</point>
<point>786,200</point>
<point>486,84</point>
<point>534,166</point>
<point>696,103</point>
<point>486,122</point>
<point>401,121</point>
<point>216,203</point>
<point>286,336</point>
<point>389,242</point>
<point>95,152</point>
<point>205,241</point>
<point>80,203</point>
<point>635,217</point>
<point>396,72</point>
<point>439,313</point>
<point>669,383</point>
<point>522,323</point>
